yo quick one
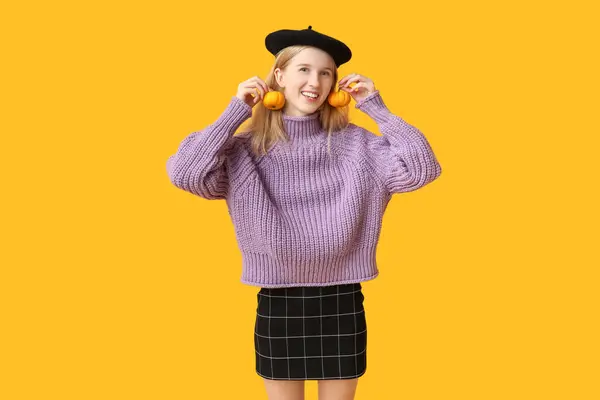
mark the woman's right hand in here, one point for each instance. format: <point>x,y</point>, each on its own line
<point>253,86</point>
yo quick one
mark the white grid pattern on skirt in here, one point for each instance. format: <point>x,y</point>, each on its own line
<point>349,344</point>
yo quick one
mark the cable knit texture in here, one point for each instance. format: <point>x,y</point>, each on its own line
<point>303,217</point>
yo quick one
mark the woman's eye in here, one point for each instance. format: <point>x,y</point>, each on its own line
<point>303,68</point>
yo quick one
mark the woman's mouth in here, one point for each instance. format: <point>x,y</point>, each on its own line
<point>310,96</point>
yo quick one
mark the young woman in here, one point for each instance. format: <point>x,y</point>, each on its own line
<point>306,191</point>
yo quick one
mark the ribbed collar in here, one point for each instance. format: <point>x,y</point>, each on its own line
<point>303,127</point>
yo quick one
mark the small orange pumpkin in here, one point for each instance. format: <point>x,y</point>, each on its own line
<point>274,100</point>
<point>339,98</point>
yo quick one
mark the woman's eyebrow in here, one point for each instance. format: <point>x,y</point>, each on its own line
<point>308,65</point>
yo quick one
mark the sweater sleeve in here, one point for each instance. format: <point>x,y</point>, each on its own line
<point>199,166</point>
<point>402,157</point>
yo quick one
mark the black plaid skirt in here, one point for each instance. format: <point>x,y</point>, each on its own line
<point>311,333</point>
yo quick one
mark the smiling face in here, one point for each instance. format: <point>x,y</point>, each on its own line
<point>310,71</point>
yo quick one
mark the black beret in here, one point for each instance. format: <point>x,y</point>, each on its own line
<point>278,40</point>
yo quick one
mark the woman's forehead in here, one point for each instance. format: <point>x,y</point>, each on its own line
<point>315,58</point>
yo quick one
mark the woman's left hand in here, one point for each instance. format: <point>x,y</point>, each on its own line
<point>362,89</point>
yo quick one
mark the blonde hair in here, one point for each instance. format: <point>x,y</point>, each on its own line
<point>266,126</point>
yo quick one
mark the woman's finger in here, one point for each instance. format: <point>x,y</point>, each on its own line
<point>357,78</point>
<point>344,79</point>
<point>260,90</point>
<point>254,90</point>
<point>262,84</point>
<point>357,87</point>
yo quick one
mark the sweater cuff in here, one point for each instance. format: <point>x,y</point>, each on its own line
<point>219,132</point>
<point>237,111</point>
<point>374,106</point>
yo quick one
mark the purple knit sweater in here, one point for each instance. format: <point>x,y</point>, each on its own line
<point>301,216</point>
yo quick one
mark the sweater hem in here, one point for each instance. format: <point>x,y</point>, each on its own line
<point>312,284</point>
<point>265,270</point>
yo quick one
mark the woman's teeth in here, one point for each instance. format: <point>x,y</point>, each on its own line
<point>310,96</point>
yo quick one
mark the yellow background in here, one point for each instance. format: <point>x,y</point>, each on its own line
<point>117,285</point>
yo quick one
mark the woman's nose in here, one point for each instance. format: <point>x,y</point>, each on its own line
<point>314,81</point>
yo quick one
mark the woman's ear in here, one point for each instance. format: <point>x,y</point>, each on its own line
<point>279,77</point>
